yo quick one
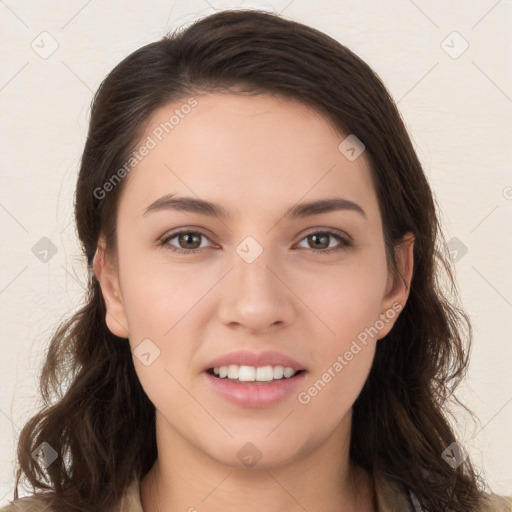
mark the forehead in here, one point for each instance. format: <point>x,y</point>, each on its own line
<point>245,150</point>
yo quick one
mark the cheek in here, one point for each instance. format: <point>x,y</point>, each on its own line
<point>157,297</point>
<point>347,304</point>
<point>327,399</point>
<point>344,352</point>
<point>346,300</point>
<point>159,307</point>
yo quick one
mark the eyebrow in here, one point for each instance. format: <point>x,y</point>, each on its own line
<point>202,207</point>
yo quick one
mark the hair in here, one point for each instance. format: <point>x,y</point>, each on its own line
<point>96,415</point>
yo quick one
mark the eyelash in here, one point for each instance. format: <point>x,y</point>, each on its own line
<point>345,243</point>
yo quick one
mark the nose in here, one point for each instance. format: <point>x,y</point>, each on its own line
<point>255,295</point>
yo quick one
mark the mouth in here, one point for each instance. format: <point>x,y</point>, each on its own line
<point>254,375</point>
<point>255,387</point>
<point>255,379</point>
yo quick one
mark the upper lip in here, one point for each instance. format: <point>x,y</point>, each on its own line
<point>246,358</point>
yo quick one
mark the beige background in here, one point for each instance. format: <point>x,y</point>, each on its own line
<point>456,102</point>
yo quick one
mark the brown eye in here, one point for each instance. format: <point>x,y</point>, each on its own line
<point>321,241</point>
<point>189,240</point>
<point>185,242</point>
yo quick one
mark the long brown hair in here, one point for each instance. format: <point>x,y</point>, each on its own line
<point>97,416</point>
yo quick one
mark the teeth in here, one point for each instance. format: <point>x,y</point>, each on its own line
<point>288,372</point>
<point>232,371</point>
<point>278,372</point>
<point>263,374</point>
<point>252,373</point>
<point>245,374</point>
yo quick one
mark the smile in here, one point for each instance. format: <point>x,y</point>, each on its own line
<point>253,373</point>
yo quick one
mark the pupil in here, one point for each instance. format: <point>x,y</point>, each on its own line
<point>187,238</point>
<point>324,237</point>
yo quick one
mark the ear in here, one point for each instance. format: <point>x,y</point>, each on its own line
<point>106,272</point>
<point>398,287</point>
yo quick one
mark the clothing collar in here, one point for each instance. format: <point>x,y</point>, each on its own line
<point>390,498</point>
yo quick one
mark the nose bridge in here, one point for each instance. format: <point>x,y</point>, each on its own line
<point>253,296</point>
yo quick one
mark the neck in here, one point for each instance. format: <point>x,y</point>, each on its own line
<point>184,478</point>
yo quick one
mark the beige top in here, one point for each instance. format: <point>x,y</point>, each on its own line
<point>389,497</point>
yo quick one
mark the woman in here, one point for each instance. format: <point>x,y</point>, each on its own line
<point>264,317</point>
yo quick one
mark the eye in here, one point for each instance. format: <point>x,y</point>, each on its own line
<point>191,242</point>
<point>188,242</point>
<point>320,241</point>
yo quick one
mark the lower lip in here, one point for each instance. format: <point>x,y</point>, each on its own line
<point>255,395</point>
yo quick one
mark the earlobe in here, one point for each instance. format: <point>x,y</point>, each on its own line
<point>404,256</point>
<point>107,275</point>
<point>398,288</point>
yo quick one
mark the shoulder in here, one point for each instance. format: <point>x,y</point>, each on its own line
<point>27,504</point>
<point>495,503</point>
<point>392,497</point>
<point>130,502</point>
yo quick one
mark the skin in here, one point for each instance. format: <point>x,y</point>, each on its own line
<point>256,156</point>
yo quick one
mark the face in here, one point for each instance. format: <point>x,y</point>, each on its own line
<point>257,281</point>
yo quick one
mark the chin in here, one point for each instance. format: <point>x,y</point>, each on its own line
<point>258,453</point>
